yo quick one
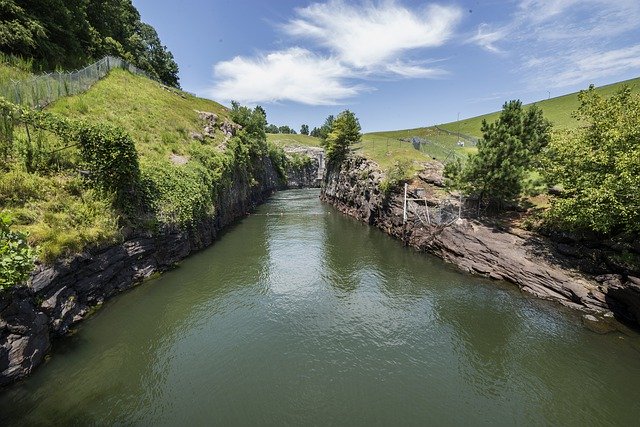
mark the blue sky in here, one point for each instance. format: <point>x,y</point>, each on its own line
<point>396,64</point>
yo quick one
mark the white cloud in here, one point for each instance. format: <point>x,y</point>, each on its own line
<point>560,43</point>
<point>367,36</point>
<point>295,75</point>
<point>586,66</point>
<point>487,39</point>
<point>364,41</point>
<point>412,70</point>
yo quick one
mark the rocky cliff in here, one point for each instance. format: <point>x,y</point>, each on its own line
<point>59,296</point>
<point>306,167</point>
<point>534,263</point>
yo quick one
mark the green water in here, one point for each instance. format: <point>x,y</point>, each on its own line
<point>312,318</point>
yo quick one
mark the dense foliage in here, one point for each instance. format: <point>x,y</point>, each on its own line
<point>345,131</point>
<point>71,33</point>
<point>16,257</point>
<point>597,166</point>
<point>508,150</point>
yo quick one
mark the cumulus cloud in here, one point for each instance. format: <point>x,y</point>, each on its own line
<point>363,41</point>
<point>294,74</point>
<point>370,35</point>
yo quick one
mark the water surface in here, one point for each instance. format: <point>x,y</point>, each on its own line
<point>299,315</point>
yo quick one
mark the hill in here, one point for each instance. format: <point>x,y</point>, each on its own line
<point>183,147</point>
<point>441,141</point>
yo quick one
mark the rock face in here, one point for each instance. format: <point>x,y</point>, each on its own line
<point>60,295</point>
<point>310,172</point>
<point>527,260</point>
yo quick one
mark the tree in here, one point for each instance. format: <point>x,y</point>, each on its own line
<point>272,129</point>
<point>315,132</point>
<point>326,128</point>
<point>505,153</point>
<point>304,130</point>
<point>345,131</point>
<point>71,33</point>
<point>597,165</point>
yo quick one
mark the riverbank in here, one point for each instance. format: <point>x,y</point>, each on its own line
<point>532,262</point>
<point>60,295</point>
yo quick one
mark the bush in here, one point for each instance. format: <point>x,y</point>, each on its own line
<point>16,257</point>
<point>598,165</point>
<point>395,175</point>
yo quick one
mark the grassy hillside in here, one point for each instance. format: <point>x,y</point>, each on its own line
<point>558,110</point>
<point>284,140</point>
<point>442,139</point>
<point>43,186</point>
<point>158,119</point>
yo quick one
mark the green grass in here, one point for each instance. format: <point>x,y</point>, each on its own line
<point>286,140</point>
<point>558,110</point>
<point>443,144</point>
<point>63,215</point>
<point>13,68</point>
<point>158,119</point>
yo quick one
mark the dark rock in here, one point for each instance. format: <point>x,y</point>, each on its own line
<point>480,248</point>
<point>61,295</point>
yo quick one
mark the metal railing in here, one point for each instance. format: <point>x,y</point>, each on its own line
<point>40,91</point>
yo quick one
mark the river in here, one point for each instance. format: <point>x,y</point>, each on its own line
<point>300,315</point>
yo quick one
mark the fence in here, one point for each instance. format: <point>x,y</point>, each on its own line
<point>433,149</point>
<point>472,139</point>
<point>418,209</point>
<point>42,90</point>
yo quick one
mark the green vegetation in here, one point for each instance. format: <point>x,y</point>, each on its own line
<point>386,152</point>
<point>16,257</point>
<point>505,154</point>
<point>557,110</point>
<point>442,140</point>
<point>122,155</point>
<point>345,131</point>
<point>397,174</point>
<point>70,34</point>
<point>597,165</point>
<point>293,140</point>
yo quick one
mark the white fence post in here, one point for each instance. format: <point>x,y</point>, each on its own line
<point>404,216</point>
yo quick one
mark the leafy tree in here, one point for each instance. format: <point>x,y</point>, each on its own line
<point>16,257</point>
<point>315,132</point>
<point>506,152</point>
<point>272,129</point>
<point>326,128</point>
<point>261,111</point>
<point>597,166</point>
<point>253,122</point>
<point>71,33</point>
<point>304,130</point>
<point>285,129</point>
<point>345,131</point>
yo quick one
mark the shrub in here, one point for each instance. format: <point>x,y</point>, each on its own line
<point>16,257</point>
<point>395,175</point>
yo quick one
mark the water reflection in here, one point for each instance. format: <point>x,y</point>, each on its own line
<point>299,315</point>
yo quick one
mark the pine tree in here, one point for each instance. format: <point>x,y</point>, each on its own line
<point>505,154</point>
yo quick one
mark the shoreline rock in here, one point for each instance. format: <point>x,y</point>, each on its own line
<point>61,295</point>
<point>525,259</point>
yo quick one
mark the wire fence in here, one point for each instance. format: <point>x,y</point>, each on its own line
<point>420,209</point>
<point>40,91</point>
<point>434,149</point>
<point>472,139</point>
